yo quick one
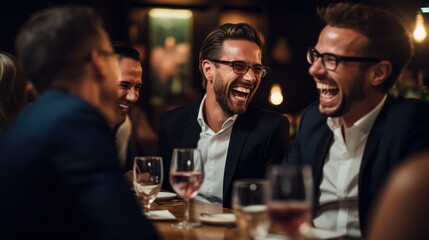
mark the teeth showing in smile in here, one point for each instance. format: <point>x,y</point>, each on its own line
<point>326,90</point>
<point>241,93</point>
<point>124,106</point>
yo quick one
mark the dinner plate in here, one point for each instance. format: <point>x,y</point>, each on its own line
<point>220,218</point>
<point>165,195</point>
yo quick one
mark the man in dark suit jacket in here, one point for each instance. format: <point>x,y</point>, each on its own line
<point>357,133</point>
<point>236,140</point>
<point>129,84</point>
<point>59,174</point>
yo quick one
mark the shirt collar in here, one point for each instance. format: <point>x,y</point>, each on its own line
<point>228,123</point>
<point>364,123</point>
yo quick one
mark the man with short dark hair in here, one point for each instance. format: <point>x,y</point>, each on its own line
<point>357,132</point>
<point>237,140</point>
<point>129,84</point>
<point>59,174</point>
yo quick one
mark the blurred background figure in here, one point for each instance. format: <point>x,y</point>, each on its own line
<point>166,60</point>
<point>402,212</point>
<point>12,90</point>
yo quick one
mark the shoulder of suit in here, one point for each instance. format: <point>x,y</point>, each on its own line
<point>261,111</point>
<point>181,113</point>
<point>254,112</point>
<point>183,109</point>
<point>408,107</point>
<point>63,107</point>
<point>409,102</point>
<point>313,110</point>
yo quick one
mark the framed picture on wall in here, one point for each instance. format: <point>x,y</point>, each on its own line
<point>170,36</point>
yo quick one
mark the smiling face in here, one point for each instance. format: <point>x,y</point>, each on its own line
<point>233,92</point>
<point>346,91</point>
<point>130,82</point>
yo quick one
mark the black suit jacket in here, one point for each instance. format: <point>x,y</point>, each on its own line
<point>258,138</point>
<point>60,177</point>
<point>401,129</point>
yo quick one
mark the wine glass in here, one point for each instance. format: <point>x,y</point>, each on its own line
<point>290,197</point>
<point>186,178</point>
<point>147,178</point>
<point>249,205</point>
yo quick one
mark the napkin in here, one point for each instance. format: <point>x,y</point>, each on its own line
<point>160,215</point>
<point>318,233</point>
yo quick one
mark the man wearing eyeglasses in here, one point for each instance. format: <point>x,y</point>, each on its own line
<point>357,132</point>
<point>236,139</point>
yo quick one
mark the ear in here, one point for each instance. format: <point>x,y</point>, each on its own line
<point>207,68</point>
<point>97,65</point>
<point>381,72</point>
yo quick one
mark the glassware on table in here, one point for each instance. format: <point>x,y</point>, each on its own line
<point>290,197</point>
<point>249,205</point>
<point>186,178</point>
<point>147,178</point>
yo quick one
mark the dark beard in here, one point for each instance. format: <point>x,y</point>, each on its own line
<point>224,101</point>
<point>340,111</point>
<point>356,95</point>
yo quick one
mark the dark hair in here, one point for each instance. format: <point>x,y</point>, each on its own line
<point>123,49</point>
<point>55,43</point>
<point>388,37</point>
<point>12,90</point>
<point>212,45</point>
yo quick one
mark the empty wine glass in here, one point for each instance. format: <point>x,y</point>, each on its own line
<point>147,178</point>
<point>290,197</point>
<point>249,205</point>
<point>186,178</point>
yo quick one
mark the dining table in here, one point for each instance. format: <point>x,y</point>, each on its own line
<point>208,230</point>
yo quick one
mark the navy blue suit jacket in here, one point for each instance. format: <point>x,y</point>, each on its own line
<point>401,129</point>
<point>60,177</point>
<point>258,138</point>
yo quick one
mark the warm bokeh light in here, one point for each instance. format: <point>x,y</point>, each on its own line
<point>276,96</point>
<point>419,33</point>
<point>170,13</point>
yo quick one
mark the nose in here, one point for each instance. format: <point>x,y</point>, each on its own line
<point>317,68</point>
<point>132,95</point>
<point>250,76</point>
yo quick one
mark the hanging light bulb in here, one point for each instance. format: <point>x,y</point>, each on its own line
<point>419,33</point>
<point>276,96</point>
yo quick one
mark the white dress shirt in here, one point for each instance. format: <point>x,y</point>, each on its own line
<point>338,200</point>
<point>214,149</point>
<point>122,135</point>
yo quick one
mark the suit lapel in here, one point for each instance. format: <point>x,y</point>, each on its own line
<point>191,130</point>
<point>374,137</point>
<point>239,134</point>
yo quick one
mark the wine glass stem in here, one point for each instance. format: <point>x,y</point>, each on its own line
<point>146,205</point>
<point>187,211</point>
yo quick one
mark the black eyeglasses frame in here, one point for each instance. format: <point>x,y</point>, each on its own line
<point>313,52</point>
<point>264,69</point>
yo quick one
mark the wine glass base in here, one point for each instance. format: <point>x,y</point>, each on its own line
<point>186,225</point>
